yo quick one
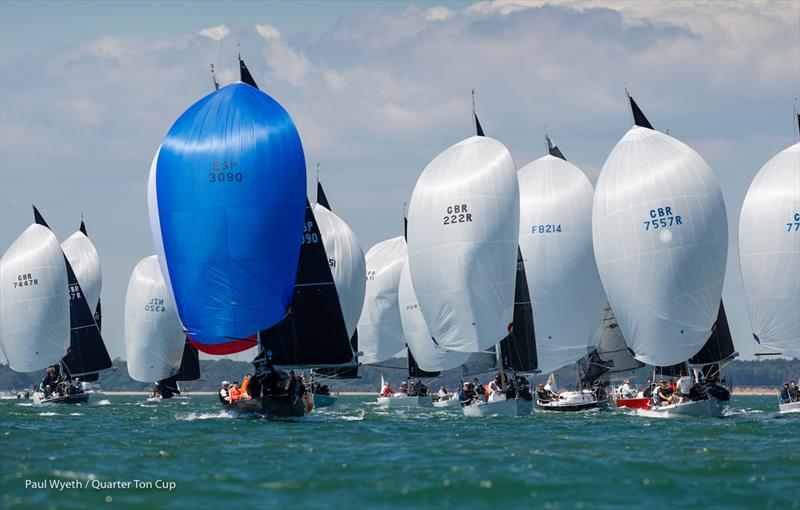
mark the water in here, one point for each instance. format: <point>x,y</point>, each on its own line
<point>356,455</point>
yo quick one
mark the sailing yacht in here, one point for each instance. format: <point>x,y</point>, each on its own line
<point>660,239</point>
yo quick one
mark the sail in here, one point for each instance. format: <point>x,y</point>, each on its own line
<point>154,339</point>
<point>769,253</point>
<point>346,261</point>
<point>189,369</point>
<point>463,222</point>
<point>379,328</point>
<point>314,332</point>
<point>427,355</point>
<point>555,238</point>
<point>611,348</point>
<point>518,349</point>
<point>480,363</point>
<point>321,198</point>
<point>82,256</point>
<point>660,240</point>
<point>244,74</point>
<point>414,370</point>
<point>34,301</point>
<point>226,197</point>
<point>719,346</point>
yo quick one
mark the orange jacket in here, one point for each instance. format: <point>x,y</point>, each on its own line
<point>245,383</point>
<point>234,394</point>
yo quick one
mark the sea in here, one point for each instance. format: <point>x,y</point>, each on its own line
<point>126,452</point>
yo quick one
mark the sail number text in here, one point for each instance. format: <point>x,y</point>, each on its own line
<point>662,217</point>
<point>457,214</point>
<point>794,226</point>
<point>546,229</point>
<point>155,305</point>
<point>309,234</point>
<point>370,275</point>
<point>74,291</point>
<point>25,280</point>
<point>225,171</point>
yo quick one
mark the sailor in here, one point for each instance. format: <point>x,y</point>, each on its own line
<point>551,385</point>
<point>625,390</point>
<point>794,392</point>
<point>301,387</point>
<point>662,394</point>
<point>402,389</point>
<point>387,390</point>
<point>495,392</point>
<point>234,393</point>
<point>542,394</point>
<point>467,394</point>
<point>223,391</point>
<point>648,391</point>
<point>684,387</point>
<point>292,387</point>
<point>78,387</point>
<point>49,377</point>
<point>442,392</point>
<point>785,396</point>
<point>478,387</point>
<point>47,391</point>
<point>245,385</point>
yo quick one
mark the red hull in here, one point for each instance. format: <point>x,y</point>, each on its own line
<point>635,403</point>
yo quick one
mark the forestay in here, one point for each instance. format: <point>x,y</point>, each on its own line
<point>427,354</point>
<point>226,206</point>
<point>154,339</point>
<point>380,332</point>
<point>769,253</point>
<point>555,238</point>
<point>463,222</point>
<point>660,240</point>
<point>34,301</point>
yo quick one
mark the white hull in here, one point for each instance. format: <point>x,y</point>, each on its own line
<point>509,407</point>
<point>709,408</point>
<point>452,402</point>
<point>791,407</point>
<point>403,401</point>
<point>572,401</point>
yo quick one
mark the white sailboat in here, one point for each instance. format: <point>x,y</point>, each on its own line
<point>769,252</point>
<point>660,239</point>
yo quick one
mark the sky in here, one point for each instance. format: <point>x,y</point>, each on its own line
<point>88,91</point>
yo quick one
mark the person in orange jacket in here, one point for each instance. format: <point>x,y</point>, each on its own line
<point>245,384</point>
<point>234,393</point>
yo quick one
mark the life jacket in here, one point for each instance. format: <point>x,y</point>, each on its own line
<point>245,383</point>
<point>235,394</point>
<point>486,390</point>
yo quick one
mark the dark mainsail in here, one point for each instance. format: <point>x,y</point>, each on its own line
<point>518,349</point>
<point>611,354</point>
<point>478,128</point>
<point>321,198</point>
<point>719,346</point>
<point>313,333</point>
<point>244,74</point>
<point>638,117</point>
<point>98,318</point>
<point>190,363</point>
<point>87,353</point>
<point>344,372</point>
<point>553,150</point>
<point>413,369</point>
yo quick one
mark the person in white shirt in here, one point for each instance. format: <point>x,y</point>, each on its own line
<point>495,393</point>
<point>442,393</point>
<point>551,385</point>
<point>625,390</point>
<point>684,387</point>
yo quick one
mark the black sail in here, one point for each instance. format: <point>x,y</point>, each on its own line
<point>719,346</point>
<point>244,74</point>
<point>518,349</point>
<point>611,354</point>
<point>98,318</point>
<point>478,128</point>
<point>414,371</point>
<point>190,363</point>
<point>87,353</point>
<point>343,372</point>
<point>321,198</point>
<point>553,150</point>
<point>638,116</point>
<point>313,333</point>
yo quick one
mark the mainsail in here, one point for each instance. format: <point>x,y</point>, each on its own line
<point>379,328</point>
<point>34,301</point>
<point>518,349</point>
<point>154,339</point>
<point>226,205</point>
<point>463,223</point>
<point>660,240</point>
<point>769,253</point>
<point>555,239</point>
<point>611,353</point>
<point>87,353</point>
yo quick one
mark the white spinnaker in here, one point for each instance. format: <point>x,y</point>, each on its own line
<point>769,253</point>
<point>463,227</point>
<point>380,333</point>
<point>34,301</point>
<point>660,240</point>
<point>154,337</point>
<point>428,356</point>
<point>555,238</point>
<point>347,264</point>
<point>85,262</point>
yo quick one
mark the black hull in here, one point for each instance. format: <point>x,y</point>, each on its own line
<point>81,398</point>
<point>269,407</point>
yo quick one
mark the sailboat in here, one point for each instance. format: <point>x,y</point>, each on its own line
<point>155,345</point>
<point>769,246</point>
<point>87,354</point>
<point>660,239</point>
<point>34,301</point>
<point>555,242</point>
<point>83,257</point>
<point>229,250</point>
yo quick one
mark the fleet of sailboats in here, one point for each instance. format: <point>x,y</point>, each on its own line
<point>504,272</point>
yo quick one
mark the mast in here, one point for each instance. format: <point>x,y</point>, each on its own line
<point>478,128</point>
<point>214,78</point>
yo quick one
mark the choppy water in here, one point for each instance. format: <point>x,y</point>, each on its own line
<point>356,455</point>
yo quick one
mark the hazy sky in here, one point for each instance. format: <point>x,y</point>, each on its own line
<point>89,89</point>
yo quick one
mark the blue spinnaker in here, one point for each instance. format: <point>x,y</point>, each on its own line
<point>227,203</point>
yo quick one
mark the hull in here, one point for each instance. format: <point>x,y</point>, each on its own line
<point>509,407</point>
<point>571,401</point>
<point>634,403</point>
<point>80,398</point>
<point>403,401</point>
<point>269,407</point>
<point>452,402</point>
<point>324,400</point>
<point>791,407</point>
<point>709,408</point>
